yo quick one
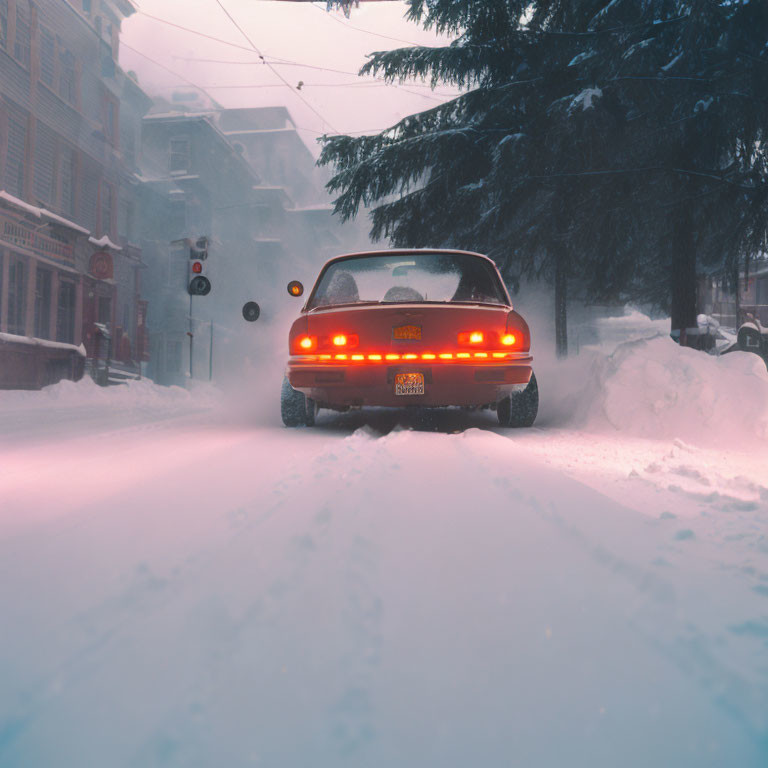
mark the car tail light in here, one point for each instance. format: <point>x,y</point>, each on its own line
<point>345,340</point>
<point>472,337</point>
<point>307,344</point>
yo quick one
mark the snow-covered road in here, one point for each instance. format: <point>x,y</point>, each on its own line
<point>186,584</point>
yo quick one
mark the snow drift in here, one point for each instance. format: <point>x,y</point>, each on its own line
<point>87,394</point>
<point>653,388</point>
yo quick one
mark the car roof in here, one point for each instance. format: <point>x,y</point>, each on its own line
<point>404,252</point>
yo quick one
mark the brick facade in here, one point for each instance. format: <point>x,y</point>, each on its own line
<point>68,188</point>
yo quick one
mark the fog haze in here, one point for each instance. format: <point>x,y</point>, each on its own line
<point>235,76</point>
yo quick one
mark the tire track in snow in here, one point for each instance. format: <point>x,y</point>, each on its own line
<point>692,648</point>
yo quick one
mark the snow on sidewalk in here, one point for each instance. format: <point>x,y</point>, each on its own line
<point>70,409</point>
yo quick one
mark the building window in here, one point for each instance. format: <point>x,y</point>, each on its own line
<point>4,24</point>
<point>67,170</point>
<point>128,145</point>
<point>89,201</point>
<point>110,120</point>
<point>43,304</point>
<point>65,317</point>
<point>106,208</point>
<point>67,77</point>
<point>45,154</point>
<point>17,295</point>
<point>47,57</point>
<point>22,41</point>
<point>125,220</point>
<point>16,155</point>
<point>179,161</point>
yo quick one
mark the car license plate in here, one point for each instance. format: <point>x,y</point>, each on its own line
<point>409,383</point>
<point>406,333</point>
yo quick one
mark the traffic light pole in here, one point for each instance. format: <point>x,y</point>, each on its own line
<point>210,356</point>
<point>191,336</point>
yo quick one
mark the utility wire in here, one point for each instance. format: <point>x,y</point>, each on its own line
<point>276,59</point>
<point>366,31</point>
<point>272,68</point>
<point>302,85</point>
<point>162,66</point>
<point>202,89</point>
<point>288,62</point>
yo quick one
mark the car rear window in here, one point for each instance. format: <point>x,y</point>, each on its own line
<point>410,278</point>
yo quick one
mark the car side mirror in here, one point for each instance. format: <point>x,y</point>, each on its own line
<point>295,288</point>
<point>251,311</point>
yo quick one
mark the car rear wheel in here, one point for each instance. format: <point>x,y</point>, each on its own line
<point>296,409</point>
<point>520,409</point>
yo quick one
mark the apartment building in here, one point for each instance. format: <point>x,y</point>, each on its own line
<point>70,122</point>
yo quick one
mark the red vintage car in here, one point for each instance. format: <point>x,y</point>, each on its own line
<point>429,328</point>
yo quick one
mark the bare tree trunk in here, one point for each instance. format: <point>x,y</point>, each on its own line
<point>561,304</point>
<point>683,281</point>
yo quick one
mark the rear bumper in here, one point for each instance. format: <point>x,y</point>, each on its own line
<point>445,383</point>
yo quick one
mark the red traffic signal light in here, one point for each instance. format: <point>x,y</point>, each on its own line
<point>197,267</point>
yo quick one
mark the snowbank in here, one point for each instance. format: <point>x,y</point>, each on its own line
<point>635,381</point>
<point>653,388</point>
<point>140,395</point>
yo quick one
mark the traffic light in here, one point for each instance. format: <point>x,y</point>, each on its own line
<point>199,284</point>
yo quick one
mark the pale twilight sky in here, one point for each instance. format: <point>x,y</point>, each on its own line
<point>299,32</point>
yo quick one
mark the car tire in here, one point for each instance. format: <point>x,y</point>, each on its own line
<point>294,407</point>
<point>310,412</point>
<point>520,409</point>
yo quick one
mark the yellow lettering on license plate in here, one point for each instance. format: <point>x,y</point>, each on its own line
<point>407,333</point>
<point>409,383</point>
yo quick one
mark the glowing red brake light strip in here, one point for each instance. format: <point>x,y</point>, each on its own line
<point>395,357</point>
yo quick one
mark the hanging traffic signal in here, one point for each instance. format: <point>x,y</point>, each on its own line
<point>199,284</point>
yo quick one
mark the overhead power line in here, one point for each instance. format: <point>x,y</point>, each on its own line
<point>162,66</point>
<point>347,25</point>
<point>272,68</point>
<point>264,58</point>
<point>224,109</point>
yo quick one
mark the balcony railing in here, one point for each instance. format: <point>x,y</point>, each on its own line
<point>27,236</point>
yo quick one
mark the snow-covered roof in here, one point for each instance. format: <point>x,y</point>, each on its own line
<point>41,213</point>
<point>104,242</point>
<point>30,340</point>
<point>65,222</point>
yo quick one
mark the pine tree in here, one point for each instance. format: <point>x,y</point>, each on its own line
<point>609,147</point>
